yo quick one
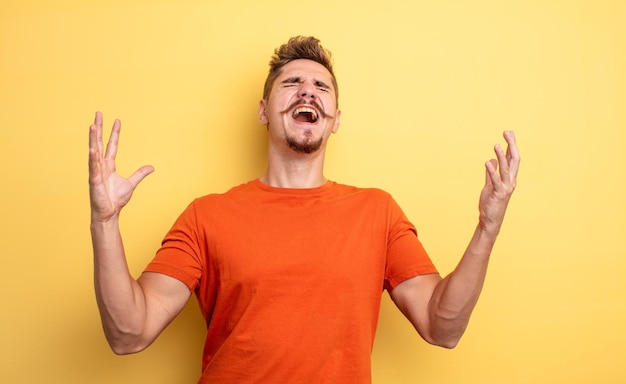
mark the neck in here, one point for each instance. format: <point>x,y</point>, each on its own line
<point>295,171</point>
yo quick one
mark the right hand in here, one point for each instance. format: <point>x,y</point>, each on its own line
<point>108,191</point>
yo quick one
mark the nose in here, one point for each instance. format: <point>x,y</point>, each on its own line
<point>307,89</point>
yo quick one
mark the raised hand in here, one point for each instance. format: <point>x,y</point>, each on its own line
<point>108,191</point>
<point>501,179</point>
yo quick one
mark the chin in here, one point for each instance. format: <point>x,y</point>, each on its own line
<point>307,147</point>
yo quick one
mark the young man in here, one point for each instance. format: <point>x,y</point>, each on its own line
<point>289,268</point>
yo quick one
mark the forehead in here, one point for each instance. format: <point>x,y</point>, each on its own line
<point>304,68</point>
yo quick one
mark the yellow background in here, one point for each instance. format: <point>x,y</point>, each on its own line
<point>426,89</point>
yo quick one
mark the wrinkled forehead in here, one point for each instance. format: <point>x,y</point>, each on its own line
<point>306,69</point>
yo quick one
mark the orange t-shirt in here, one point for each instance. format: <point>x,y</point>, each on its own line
<point>290,280</point>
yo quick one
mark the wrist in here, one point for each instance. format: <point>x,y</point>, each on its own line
<point>104,224</point>
<point>488,231</point>
<point>489,226</point>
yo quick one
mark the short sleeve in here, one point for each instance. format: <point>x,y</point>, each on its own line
<point>406,257</point>
<point>180,253</point>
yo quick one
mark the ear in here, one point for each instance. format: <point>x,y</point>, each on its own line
<point>337,118</point>
<point>263,112</point>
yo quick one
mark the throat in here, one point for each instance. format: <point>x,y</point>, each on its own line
<point>293,180</point>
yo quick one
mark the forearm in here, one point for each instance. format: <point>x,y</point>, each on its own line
<point>453,298</point>
<point>456,295</point>
<point>120,298</point>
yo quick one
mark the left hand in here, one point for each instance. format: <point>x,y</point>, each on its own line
<point>501,179</point>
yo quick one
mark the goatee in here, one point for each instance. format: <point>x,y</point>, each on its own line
<point>309,146</point>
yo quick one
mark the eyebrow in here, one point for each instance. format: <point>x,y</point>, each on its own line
<point>289,80</point>
<point>322,84</point>
<point>298,79</point>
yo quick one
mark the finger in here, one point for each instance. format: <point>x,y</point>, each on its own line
<point>489,164</point>
<point>492,177</point>
<point>512,153</point>
<point>140,174</point>
<point>503,163</point>
<point>97,124</point>
<point>94,145</point>
<point>93,138</point>
<point>94,153</point>
<point>111,151</point>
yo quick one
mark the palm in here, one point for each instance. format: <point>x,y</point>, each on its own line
<point>109,192</point>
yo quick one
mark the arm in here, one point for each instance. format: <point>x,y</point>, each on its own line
<point>133,312</point>
<point>440,308</point>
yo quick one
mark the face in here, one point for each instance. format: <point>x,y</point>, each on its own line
<point>301,109</point>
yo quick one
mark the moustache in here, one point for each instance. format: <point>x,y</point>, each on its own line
<point>312,103</point>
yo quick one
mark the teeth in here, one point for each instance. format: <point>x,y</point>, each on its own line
<point>312,111</point>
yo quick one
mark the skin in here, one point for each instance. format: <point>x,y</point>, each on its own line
<point>299,81</point>
<point>134,312</point>
<point>440,309</point>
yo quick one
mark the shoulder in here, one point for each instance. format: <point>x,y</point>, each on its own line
<point>240,191</point>
<point>366,192</point>
<point>368,199</point>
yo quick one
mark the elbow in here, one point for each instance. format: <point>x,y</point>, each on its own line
<point>447,343</point>
<point>121,349</point>
<point>447,334</point>
<point>126,343</point>
<point>446,327</point>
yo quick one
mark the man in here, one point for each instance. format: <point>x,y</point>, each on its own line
<point>289,268</point>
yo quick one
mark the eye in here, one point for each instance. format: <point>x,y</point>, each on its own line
<point>291,82</point>
<point>322,86</point>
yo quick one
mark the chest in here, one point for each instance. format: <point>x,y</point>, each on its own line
<point>263,248</point>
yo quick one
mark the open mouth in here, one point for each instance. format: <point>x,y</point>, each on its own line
<point>305,115</point>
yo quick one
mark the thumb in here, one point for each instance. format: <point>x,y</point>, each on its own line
<point>140,174</point>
